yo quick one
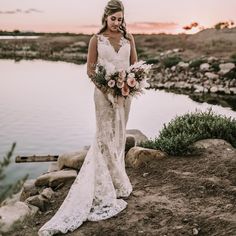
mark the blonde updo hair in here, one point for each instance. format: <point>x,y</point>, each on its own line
<point>112,7</point>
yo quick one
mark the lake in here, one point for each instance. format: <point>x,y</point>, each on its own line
<point>47,108</point>
<point>18,37</point>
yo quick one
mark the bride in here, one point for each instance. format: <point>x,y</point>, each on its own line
<point>102,180</point>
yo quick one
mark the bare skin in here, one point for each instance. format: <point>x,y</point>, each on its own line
<point>114,35</point>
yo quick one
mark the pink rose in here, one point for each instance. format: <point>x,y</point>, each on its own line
<point>131,81</point>
<point>125,90</point>
<point>111,83</point>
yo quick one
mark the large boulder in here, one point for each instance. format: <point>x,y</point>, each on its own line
<point>56,178</point>
<point>226,67</point>
<point>38,201</point>
<point>13,214</point>
<point>139,156</point>
<point>72,160</point>
<point>138,135</point>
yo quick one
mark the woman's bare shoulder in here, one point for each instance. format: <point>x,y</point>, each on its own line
<point>93,39</point>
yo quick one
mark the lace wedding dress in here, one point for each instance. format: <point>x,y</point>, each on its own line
<point>102,178</point>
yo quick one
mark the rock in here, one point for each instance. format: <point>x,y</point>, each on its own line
<point>79,44</point>
<point>139,156</point>
<point>183,85</point>
<point>233,90</point>
<point>10,215</point>
<point>214,89</point>
<point>47,193</point>
<point>72,160</point>
<point>130,142</point>
<point>53,167</point>
<point>29,189</point>
<point>193,80</point>
<point>183,65</point>
<point>38,201</point>
<point>195,231</point>
<point>159,85</point>
<point>198,88</point>
<point>56,178</point>
<point>169,85</point>
<point>204,67</point>
<point>227,91</point>
<point>211,143</point>
<point>211,75</point>
<point>226,67</point>
<point>138,135</point>
<point>211,59</point>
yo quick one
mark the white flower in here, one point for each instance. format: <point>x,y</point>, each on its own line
<point>111,83</point>
<point>144,84</point>
<point>131,75</point>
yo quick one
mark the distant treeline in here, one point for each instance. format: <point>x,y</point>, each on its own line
<point>31,33</point>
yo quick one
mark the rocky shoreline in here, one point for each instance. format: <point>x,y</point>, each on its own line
<point>203,75</point>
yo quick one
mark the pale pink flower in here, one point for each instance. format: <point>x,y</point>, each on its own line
<point>111,83</point>
<point>125,90</point>
<point>131,81</point>
<point>120,84</point>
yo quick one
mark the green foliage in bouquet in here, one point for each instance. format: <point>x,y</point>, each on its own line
<point>10,189</point>
<point>177,137</point>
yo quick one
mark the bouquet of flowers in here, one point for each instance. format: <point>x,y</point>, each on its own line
<point>124,83</point>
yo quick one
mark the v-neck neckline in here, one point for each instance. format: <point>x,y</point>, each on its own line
<point>120,43</point>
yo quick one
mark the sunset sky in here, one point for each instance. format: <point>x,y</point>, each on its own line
<point>142,16</point>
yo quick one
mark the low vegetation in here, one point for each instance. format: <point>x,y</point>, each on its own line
<point>178,136</point>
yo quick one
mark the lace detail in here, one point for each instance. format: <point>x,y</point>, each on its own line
<point>102,178</point>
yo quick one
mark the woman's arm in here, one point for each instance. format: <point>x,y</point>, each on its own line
<point>92,56</point>
<point>133,52</point>
<point>92,61</point>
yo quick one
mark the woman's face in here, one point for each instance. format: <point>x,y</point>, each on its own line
<point>114,21</point>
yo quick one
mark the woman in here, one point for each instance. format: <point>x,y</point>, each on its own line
<point>102,180</point>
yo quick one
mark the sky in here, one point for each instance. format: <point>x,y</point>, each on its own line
<point>141,16</point>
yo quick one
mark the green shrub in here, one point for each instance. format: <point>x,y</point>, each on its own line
<point>10,189</point>
<point>170,61</point>
<point>233,58</point>
<point>231,74</point>
<point>215,66</point>
<point>152,61</point>
<point>196,63</point>
<point>177,137</point>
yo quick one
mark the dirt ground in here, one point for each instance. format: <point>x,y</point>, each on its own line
<point>175,196</point>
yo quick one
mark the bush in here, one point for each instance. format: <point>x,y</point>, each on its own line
<point>231,74</point>
<point>233,58</point>
<point>196,63</point>
<point>9,190</point>
<point>177,137</point>
<point>170,61</point>
<point>152,61</point>
<point>215,66</point>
